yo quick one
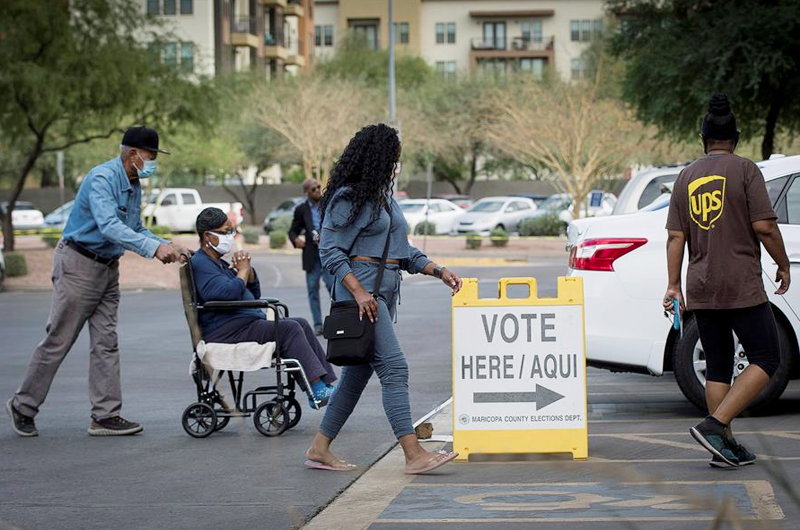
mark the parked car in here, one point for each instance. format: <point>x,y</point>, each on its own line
<point>284,209</point>
<point>645,187</point>
<point>178,208</point>
<point>444,213</point>
<point>493,212</point>
<point>623,265</point>
<point>401,195</point>
<point>537,198</point>
<point>2,268</point>
<point>462,201</point>
<point>58,217</point>
<point>24,216</point>
<point>598,203</point>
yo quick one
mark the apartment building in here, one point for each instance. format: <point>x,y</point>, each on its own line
<point>218,36</point>
<point>458,35</point>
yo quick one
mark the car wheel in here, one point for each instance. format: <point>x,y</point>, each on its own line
<point>689,365</point>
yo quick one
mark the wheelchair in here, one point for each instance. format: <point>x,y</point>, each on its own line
<point>275,408</point>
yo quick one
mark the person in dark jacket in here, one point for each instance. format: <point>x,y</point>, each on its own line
<point>216,279</point>
<point>304,233</point>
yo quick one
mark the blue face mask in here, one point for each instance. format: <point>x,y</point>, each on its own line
<point>148,167</point>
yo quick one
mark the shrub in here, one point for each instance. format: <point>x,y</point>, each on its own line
<point>282,224</point>
<point>251,235</point>
<point>277,239</point>
<point>474,240</point>
<point>499,237</point>
<point>546,225</point>
<point>16,264</point>
<point>420,228</point>
<point>161,231</point>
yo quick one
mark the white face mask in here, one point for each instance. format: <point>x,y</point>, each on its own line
<point>225,243</point>
<point>398,167</point>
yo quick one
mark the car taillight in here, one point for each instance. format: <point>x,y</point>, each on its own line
<point>600,254</point>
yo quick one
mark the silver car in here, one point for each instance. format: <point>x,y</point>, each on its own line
<point>495,212</point>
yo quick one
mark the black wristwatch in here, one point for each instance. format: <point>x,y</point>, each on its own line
<point>437,271</point>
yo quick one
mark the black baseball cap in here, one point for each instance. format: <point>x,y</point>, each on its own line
<point>142,138</point>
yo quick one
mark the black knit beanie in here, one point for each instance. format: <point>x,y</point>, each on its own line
<point>209,219</point>
<point>719,123</point>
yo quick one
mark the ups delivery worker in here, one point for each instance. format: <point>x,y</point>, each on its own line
<point>721,209</point>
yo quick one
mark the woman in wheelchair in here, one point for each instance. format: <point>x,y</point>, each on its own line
<point>216,279</point>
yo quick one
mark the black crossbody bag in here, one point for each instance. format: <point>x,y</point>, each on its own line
<point>350,340</point>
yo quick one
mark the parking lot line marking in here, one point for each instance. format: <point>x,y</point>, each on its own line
<point>762,498</point>
<point>782,434</point>
<point>600,460</point>
<point>670,443</point>
<point>550,520</point>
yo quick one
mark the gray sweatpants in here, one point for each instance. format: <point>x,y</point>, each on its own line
<point>82,290</point>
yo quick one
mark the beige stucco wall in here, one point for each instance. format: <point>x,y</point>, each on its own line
<point>327,14</point>
<point>467,28</point>
<point>198,28</point>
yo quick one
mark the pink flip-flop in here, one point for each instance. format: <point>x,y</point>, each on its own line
<point>442,458</point>
<point>313,464</point>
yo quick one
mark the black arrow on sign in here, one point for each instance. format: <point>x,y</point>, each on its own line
<point>541,396</point>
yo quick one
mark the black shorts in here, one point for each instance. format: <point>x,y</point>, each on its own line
<point>756,329</point>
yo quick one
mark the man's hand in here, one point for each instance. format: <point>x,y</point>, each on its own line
<point>672,294</point>
<point>783,278</point>
<point>451,279</point>
<point>300,242</point>
<point>167,254</point>
<point>367,305</point>
<point>185,253</point>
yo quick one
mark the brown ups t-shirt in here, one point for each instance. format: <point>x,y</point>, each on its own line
<point>714,202</point>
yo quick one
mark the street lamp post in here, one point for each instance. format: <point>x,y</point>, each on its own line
<point>392,90</point>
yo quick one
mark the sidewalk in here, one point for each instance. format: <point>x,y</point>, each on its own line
<point>641,473</point>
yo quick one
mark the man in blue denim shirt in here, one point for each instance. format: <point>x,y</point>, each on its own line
<point>105,221</point>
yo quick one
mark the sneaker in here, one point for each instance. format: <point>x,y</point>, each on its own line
<point>22,424</point>
<point>745,457</point>
<point>320,397</point>
<point>711,434</point>
<point>318,330</point>
<point>116,426</point>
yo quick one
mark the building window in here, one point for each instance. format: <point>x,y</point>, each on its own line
<point>534,67</point>
<point>323,36</point>
<point>152,7</point>
<point>171,54</point>
<point>187,7</point>
<point>532,31</point>
<point>187,57</point>
<point>494,35</point>
<point>446,69</point>
<point>366,30</point>
<point>169,7</point>
<point>577,68</point>
<point>401,32</point>
<point>445,32</point>
<point>585,30</point>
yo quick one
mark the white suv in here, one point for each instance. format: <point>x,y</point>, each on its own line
<point>622,260</point>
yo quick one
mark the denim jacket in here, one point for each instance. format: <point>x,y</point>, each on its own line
<point>338,243</point>
<point>107,216</point>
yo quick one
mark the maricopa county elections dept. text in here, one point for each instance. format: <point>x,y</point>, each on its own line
<point>512,362</point>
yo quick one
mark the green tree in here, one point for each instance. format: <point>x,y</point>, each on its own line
<point>679,52</point>
<point>78,71</point>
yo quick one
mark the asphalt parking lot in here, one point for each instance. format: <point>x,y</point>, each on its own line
<point>643,466</point>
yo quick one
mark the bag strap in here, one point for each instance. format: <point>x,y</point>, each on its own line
<point>379,277</point>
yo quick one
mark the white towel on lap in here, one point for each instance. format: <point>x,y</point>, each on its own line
<point>241,357</point>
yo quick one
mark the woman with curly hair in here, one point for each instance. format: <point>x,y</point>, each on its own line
<point>356,210</point>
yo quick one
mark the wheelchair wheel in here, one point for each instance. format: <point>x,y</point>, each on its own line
<point>271,418</point>
<point>222,422</point>
<point>294,410</point>
<point>199,420</point>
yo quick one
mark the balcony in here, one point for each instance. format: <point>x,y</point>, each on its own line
<point>294,8</point>
<point>511,48</point>
<point>243,31</point>
<point>296,53</point>
<point>275,48</point>
<point>273,3</point>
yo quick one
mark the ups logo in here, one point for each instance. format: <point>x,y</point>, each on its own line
<point>706,200</point>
